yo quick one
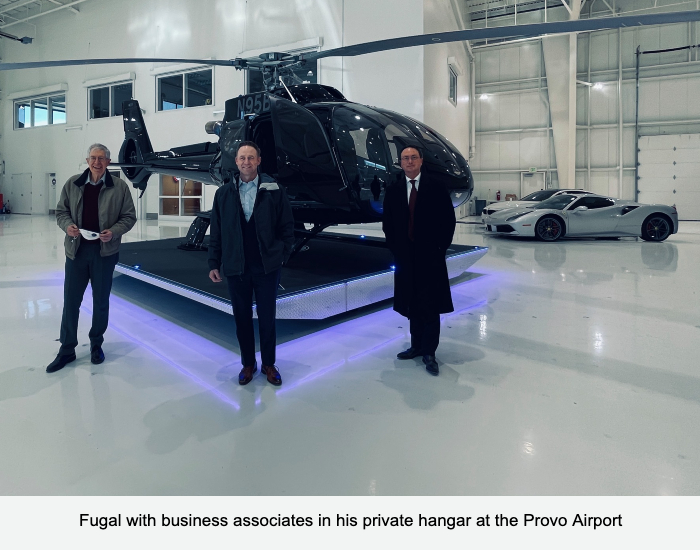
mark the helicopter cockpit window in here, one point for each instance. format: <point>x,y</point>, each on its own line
<point>438,150</point>
<point>397,139</point>
<point>300,135</point>
<point>231,135</point>
<point>364,152</point>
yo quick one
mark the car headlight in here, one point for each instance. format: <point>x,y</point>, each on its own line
<point>513,218</point>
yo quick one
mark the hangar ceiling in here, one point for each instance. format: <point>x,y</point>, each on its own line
<point>482,9</point>
<point>14,12</point>
<point>478,10</point>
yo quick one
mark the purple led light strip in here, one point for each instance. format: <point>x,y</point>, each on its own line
<point>225,398</point>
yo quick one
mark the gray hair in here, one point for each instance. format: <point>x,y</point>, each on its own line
<point>100,147</point>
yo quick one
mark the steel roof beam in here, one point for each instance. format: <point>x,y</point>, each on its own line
<point>16,5</point>
<point>71,8</point>
<point>62,7</point>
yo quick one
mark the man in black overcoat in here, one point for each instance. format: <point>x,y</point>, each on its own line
<point>419,223</point>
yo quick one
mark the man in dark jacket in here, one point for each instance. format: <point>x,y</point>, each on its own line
<point>252,234</point>
<point>419,223</point>
<point>94,210</point>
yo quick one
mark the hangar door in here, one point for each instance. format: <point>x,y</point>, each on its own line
<point>669,172</point>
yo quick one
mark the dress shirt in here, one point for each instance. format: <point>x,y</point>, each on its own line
<point>248,190</point>
<point>99,181</point>
<point>408,185</point>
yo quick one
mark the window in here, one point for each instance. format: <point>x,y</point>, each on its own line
<point>306,74</point>
<point>40,111</point>
<point>593,202</point>
<point>180,197</point>
<point>453,85</point>
<point>106,101</point>
<point>191,89</point>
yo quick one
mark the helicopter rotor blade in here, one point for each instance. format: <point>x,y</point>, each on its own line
<point>262,62</point>
<point>511,31</point>
<point>238,63</point>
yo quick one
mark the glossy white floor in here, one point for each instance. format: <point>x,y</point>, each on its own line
<point>567,368</point>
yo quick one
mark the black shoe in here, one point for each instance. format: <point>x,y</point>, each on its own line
<point>410,353</point>
<point>97,356</point>
<point>273,375</point>
<point>431,364</point>
<point>60,362</point>
<point>246,374</point>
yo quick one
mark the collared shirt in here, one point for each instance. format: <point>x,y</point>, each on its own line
<point>408,185</point>
<point>99,181</point>
<point>248,191</point>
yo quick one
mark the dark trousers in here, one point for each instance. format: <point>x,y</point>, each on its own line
<point>241,289</point>
<point>425,331</point>
<point>424,324</point>
<point>88,266</point>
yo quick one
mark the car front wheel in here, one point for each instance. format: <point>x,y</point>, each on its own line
<point>549,228</point>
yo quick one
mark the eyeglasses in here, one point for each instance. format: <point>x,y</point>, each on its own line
<point>414,158</point>
<point>95,159</point>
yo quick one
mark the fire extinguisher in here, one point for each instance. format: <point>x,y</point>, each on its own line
<point>498,195</point>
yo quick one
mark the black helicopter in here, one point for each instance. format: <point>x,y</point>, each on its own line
<point>334,157</point>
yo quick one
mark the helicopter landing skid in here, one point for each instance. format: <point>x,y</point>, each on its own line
<point>304,235</point>
<point>198,229</point>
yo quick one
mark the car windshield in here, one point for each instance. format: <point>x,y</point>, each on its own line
<point>540,195</point>
<point>556,203</point>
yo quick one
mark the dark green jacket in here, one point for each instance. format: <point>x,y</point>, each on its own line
<point>274,225</point>
<point>116,211</point>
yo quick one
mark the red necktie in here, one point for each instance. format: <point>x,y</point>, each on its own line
<point>411,208</point>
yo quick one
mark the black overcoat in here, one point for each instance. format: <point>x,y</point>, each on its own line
<point>420,279</point>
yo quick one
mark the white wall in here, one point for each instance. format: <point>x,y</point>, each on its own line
<point>220,29</point>
<point>392,79</point>
<point>510,77</point>
<point>440,113</point>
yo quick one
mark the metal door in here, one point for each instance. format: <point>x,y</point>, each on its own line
<point>304,158</point>
<point>20,195</point>
<point>40,195</point>
<point>669,172</point>
<point>531,182</point>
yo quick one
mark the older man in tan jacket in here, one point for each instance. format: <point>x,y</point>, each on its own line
<point>95,210</point>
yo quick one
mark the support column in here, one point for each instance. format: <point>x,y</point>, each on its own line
<point>560,66</point>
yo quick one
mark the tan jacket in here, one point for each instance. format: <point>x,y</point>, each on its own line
<point>116,211</point>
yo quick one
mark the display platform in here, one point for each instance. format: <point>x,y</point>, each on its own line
<point>332,274</point>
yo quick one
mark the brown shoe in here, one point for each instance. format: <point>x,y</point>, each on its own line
<point>273,375</point>
<point>246,374</point>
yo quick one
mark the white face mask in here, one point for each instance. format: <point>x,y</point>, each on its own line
<point>89,235</point>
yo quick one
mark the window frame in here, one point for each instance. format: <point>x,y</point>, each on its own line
<point>110,95</point>
<point>181,197</point>
<point>30,102</point>
<point>452,76</point>
<point>182,74</point>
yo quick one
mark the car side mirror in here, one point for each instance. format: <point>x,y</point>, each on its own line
<point>580,209</point>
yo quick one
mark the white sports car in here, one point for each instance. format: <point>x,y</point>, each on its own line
<point>586,216</point>
<point>528,200</point>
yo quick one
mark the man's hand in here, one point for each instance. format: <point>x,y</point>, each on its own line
<point>215,276</point>
<point>106,236</point>
<point>73,230</point>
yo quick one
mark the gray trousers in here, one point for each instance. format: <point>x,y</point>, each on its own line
<point>88,266</point>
